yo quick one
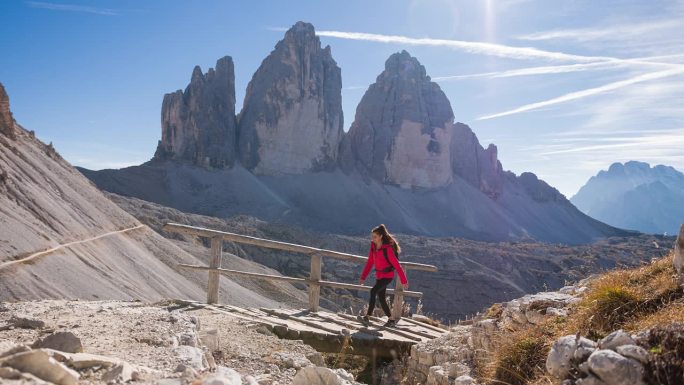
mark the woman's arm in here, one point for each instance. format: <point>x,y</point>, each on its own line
<point>369,264</point>
<point>393,260</point>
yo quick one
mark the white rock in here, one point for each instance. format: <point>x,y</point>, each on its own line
<point>464,380</point>
<point>190,356</point>
<point>559,360</point>
<point>615,339</point>
<point>633,351</point>
<point>568,290</point>
<point>614,369</point>
<point>223,376</point>
<point>317,375</point>
<point>86,360</point>
<point>316,358</point>
<point>250,380</point>
<point>291,359</point>
<point>41,365</point>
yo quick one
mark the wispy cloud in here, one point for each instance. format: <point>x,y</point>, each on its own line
<point>619,32</point>
<point>72,8</point>
<point>473,47</point>
<point>648,141</point>
<point>589,92</point>
<point>566,68</point>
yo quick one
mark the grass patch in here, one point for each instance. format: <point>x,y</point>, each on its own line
<point>631,299</point>
<point>521,361</point>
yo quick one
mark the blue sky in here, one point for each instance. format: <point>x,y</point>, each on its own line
<point>564,88</point>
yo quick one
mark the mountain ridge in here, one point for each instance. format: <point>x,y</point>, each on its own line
<point>404,161</point>
<point>635,195</point>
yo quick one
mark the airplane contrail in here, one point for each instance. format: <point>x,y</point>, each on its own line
<point>589,92</point>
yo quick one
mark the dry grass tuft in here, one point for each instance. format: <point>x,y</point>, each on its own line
<point>633,299</point>
<point>622,298</point>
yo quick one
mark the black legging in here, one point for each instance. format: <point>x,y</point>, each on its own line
<point>379,291</point>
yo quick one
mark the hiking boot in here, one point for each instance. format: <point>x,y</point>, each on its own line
<point>390,323</point>
<point>364,319</point>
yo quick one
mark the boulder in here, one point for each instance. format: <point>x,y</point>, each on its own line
<point>534,309</point>
<point>291,359</point>
<point>615,339</point>
<point>190,356</point>
<point>614,369</point>
<point>62,341</point>
<point>561,359</point>
<point>26,322</point>
<point>633,351</point>
<point>317,375</point>
<point>40,364</point>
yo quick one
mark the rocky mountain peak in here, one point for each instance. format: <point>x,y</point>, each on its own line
<point>199,124</point>
<point>6,119</point>
<point>403,127</point>
<point>404,65</point>
<point>291,121</point>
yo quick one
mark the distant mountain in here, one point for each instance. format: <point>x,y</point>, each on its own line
<point>285,158</point>
<point>635,196</point>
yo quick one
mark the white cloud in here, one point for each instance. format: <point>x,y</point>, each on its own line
<point>482,48</point>
<point>548,70</point>
<point>72,8</point>
<point>615,32</point>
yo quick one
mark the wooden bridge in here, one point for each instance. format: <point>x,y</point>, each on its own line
<point>325,331</point>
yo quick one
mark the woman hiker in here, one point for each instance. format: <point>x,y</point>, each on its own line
<point>383,256</point>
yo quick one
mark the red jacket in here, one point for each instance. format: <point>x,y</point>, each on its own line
<point>376,258</point>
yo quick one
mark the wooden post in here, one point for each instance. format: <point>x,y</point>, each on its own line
<point>315,289</point>
<point>398,301</point>
<point>214,276</point>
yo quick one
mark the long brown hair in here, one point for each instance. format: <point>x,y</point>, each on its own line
<point>386,236</point>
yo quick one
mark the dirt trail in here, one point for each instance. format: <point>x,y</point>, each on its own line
<point>40,253</point>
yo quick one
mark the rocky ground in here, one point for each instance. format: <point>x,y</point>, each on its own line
<point>625,327</point>
<point>97,342</point>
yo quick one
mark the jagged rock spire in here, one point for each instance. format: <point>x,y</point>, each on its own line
<point>199,125</point>
<point>291,121</point>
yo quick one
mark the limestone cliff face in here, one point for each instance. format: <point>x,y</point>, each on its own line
<point>6,120</point>
<point>478,166</point>
<point>199,125</point>
<point>403,128</point>
<point>291,121</point>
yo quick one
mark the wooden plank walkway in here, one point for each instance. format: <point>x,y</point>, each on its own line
<point>332,332</point>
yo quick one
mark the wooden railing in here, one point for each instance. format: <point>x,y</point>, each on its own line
<point>314,281</point>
